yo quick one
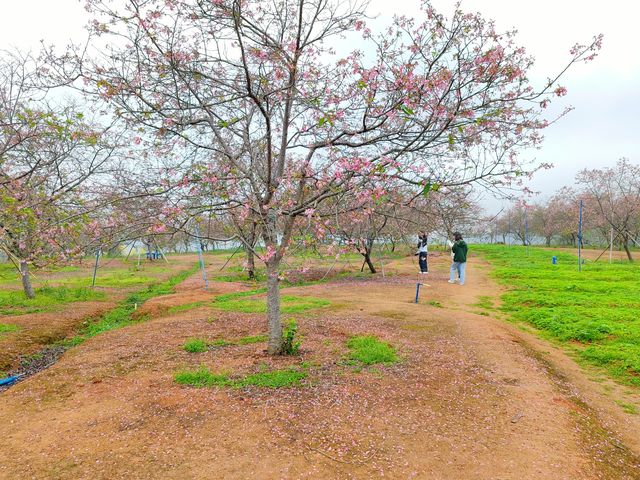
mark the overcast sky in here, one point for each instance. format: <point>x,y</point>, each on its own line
<point>605,93</point>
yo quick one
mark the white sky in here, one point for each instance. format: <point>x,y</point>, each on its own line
<point>605,93</point>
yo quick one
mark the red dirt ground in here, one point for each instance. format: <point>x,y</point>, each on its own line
<point>473,397</point>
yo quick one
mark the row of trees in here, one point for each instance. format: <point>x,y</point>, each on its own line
<point>611,211</point>
<point>238,119</point>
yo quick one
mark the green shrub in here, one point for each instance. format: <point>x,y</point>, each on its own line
<point>290,345</point>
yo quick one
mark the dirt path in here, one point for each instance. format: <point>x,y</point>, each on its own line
<point>472,397</point>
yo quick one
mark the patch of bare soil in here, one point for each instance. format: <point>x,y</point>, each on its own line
<point>40,329</point>
<point>470,398</point>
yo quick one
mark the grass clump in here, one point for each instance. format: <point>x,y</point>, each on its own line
<point>195,345</point>
<point>270,379</point>
<point>8,328</point>
<point>368,350</point>
<point>201,378</point>
<point>434,303</point>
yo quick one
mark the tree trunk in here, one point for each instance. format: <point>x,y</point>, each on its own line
<point>273,310</point>
<point>26,280</point>
<point>626,249</point>
<point>251,263</point>
<point>367,259</point>
<point>274,322</point>
<point>548,241</point>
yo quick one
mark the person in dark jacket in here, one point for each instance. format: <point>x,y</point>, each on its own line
<point>459,259</point>
<point>423,252</point>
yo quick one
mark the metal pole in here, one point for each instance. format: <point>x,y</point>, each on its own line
<point>526,230</point>
<point>232,255</point>
<point>130,250</point>
<point>95,268</point>
<point>611,246</point>
<point>580,239</point>
<point>161,253</point>
<point>201,258</point>
<point>417,291</point>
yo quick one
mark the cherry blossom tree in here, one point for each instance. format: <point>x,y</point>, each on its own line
<point>613,195</point>
<point>280,123</point>
<point>49,152</point>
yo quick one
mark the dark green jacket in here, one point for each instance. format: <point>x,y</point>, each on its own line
<point>460,251</point>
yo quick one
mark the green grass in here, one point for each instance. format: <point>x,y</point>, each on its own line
<point>273,379</point>
<point>15,302</point>
<point>186,307</point>
<point>434,303</point>
<point>116,279</point>
<point>8,328</point>
<point>256,303</point>
<point>195,345</point>
<point>628,407</point>
<point>253,339</point>
<point>594,311</point>
<point>270,379</point>
<point>8,274</point>
<point>201,378</point>
<point>122,315</point>
<point>368,350</point>
<point>485,302</point>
